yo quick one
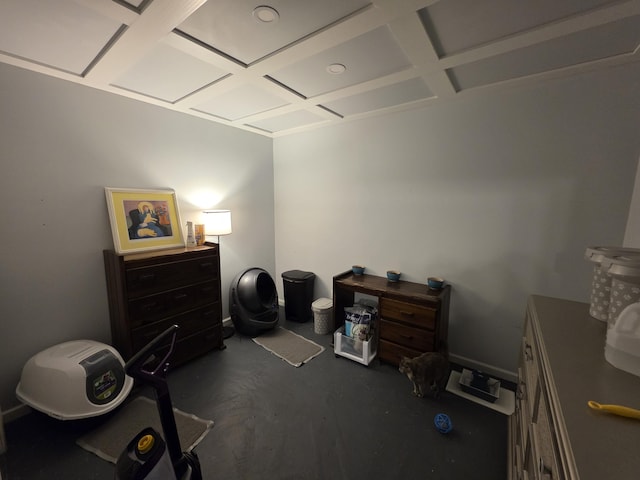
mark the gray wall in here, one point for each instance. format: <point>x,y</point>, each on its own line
<point>498,193</point>
<point>60,145</point>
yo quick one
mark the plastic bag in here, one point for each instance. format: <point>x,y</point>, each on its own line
<point>359,321</point>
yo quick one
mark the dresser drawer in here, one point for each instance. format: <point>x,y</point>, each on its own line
<point>391,352</point>
<point>190,322</point>
<point>408,313</point>
<point>411,337</point>
<point>151,308</point>
<point>147,279</point>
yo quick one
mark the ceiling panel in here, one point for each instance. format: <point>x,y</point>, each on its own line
<point>287,121</point>
<point>62,34</point>
<point>457,25</point>
<point>241,102</point>
<point>167,73</point>
<point>366,57</point>
<point>597,43</point>
<point>393,95</point>
<point>248,39</point>
<point>215,60</point>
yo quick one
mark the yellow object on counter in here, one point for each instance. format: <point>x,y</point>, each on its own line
<point>615,409</point>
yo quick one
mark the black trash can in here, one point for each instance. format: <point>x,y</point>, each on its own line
<point>298,295</point>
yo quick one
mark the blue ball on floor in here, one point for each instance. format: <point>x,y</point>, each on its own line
<point>443,423</point>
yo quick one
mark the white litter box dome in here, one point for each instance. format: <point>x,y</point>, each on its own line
<point>74,380</point>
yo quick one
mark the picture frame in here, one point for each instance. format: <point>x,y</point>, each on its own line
<point>144,220</point>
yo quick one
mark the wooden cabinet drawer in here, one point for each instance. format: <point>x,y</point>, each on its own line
<point>145,279</point>
<point>151,308</point>
<point>189,323</point>
<point>391,352</point>
<point>150,291</point>
<point>546,459</point>
<point>411,337</point>
<point>408,313</point>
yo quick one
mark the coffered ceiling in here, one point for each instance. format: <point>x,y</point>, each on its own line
<point>283,66</point>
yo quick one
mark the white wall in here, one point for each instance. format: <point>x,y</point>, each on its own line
<point>498,193</point>
<point>60,145</point>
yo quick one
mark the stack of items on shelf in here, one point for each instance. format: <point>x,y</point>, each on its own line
<point>356,339</point>
<point>359,321</point>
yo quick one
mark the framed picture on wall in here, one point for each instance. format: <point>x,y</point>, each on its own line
<point>143,220</point>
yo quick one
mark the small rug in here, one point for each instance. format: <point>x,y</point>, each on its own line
<point>291,347</point>
<point>110,439</point>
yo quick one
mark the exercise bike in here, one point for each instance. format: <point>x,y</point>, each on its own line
<point>147,455</point>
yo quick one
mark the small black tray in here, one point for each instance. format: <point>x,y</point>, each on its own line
<point>494,387</point>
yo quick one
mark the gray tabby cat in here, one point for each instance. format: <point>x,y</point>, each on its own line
<point>429,371</point>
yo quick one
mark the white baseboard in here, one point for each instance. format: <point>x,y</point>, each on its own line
<point>484,367</point>
<point>15,413</point>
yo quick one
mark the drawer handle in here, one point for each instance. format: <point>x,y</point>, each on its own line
<point>520,391</point>
<point>147,307</point>
<point>206,265</point>
<point>527,352</point>
<point>180,296</point>
<point>544,469</point>
<point>147,277</point>
<point>208,313</point>
<point>408,337</point>
<point>407,314</point>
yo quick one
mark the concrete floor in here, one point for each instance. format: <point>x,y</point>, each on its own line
<point>329,419</point>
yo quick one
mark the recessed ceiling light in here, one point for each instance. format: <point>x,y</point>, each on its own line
<point>336,68</point>
<point>266,14</point>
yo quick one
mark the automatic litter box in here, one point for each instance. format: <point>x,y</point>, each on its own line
<point>74,380</point>
<point>253,302</point>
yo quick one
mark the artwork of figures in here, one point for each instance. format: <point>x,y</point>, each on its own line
<point>143,219</point>
<point>148,218</point>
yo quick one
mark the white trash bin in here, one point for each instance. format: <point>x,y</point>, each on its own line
<point>322,315</point>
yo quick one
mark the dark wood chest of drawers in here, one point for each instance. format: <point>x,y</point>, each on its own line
<point>149,292</point>
<point>413,318</point>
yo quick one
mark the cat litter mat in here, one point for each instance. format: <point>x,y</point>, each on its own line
<point>74,380</point>
<point>601,282</point>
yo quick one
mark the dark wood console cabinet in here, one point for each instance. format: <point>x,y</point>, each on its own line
<point>148,292</point>
<point>413,318</point>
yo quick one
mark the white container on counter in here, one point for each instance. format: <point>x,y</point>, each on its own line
<point>622,348</point>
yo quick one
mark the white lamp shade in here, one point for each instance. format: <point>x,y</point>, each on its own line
<point>217,222</point>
